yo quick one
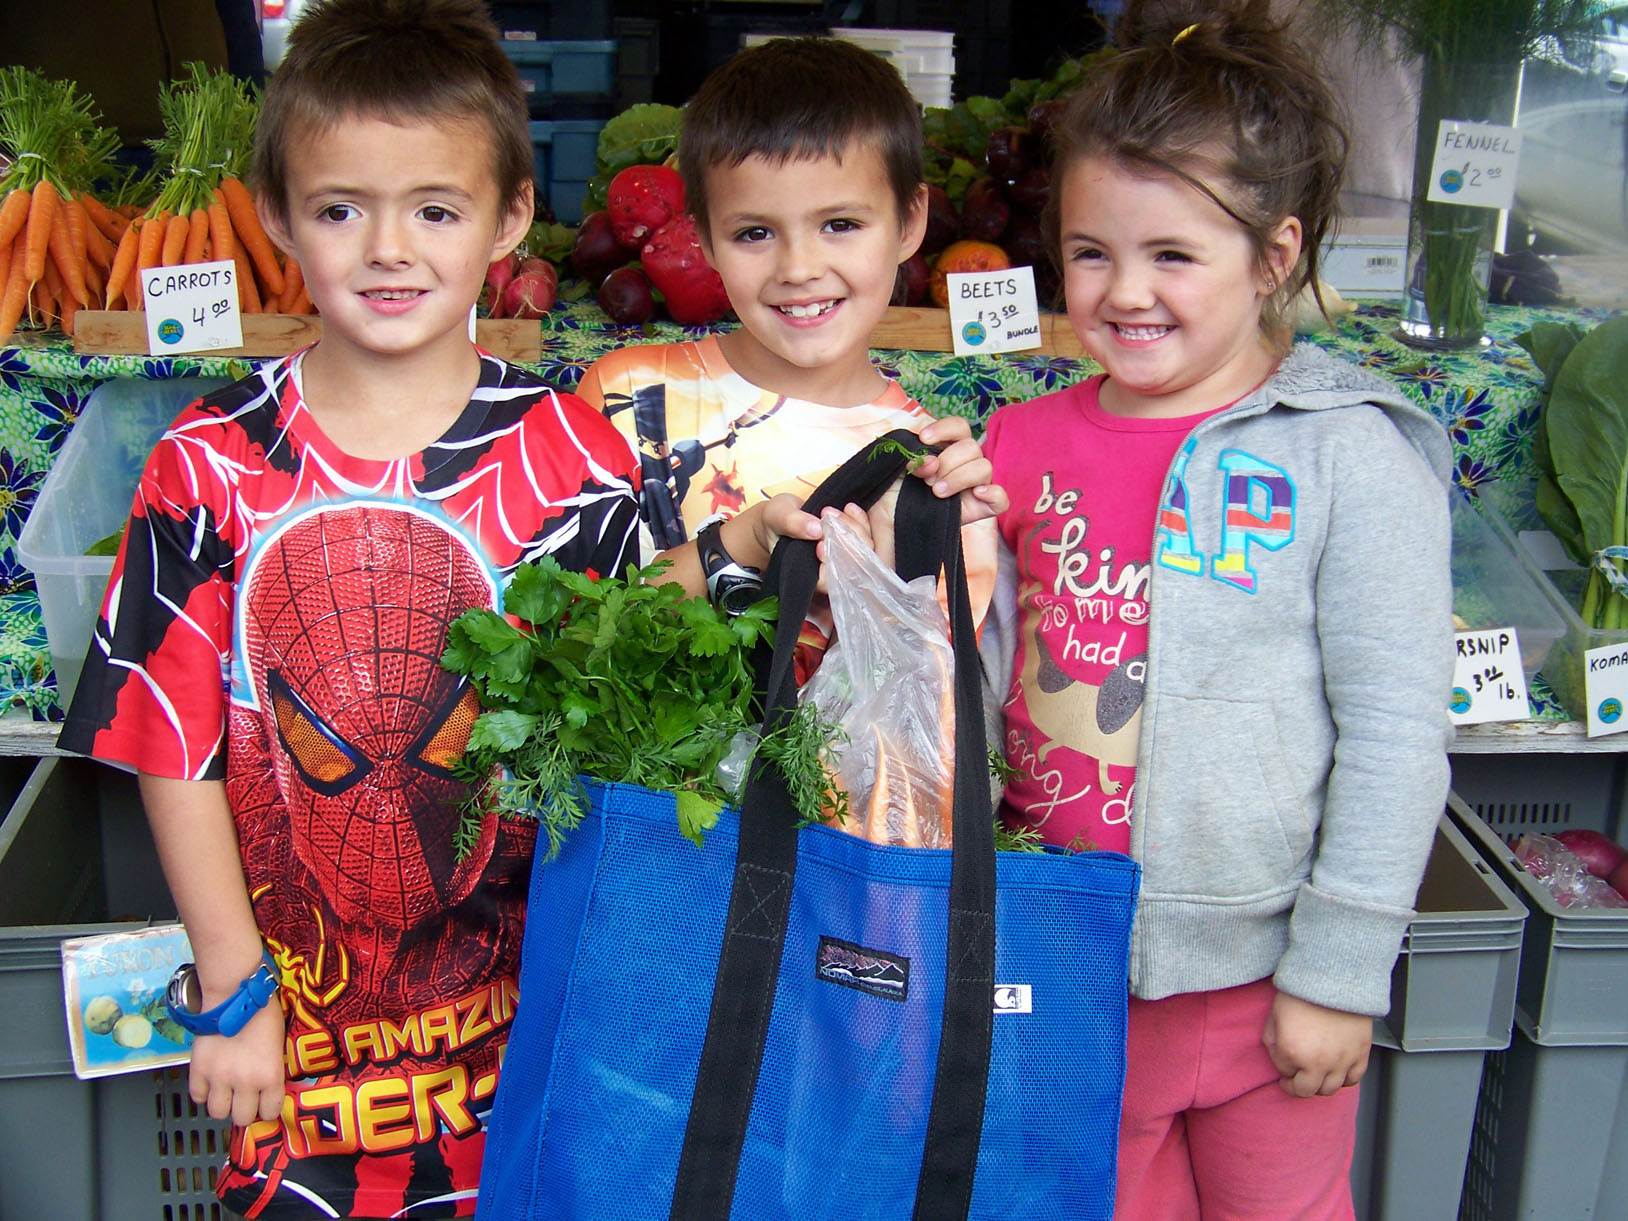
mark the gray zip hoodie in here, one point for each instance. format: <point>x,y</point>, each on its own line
<point>1292,763</point>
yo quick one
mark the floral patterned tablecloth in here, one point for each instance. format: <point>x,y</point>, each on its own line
<point>1487,399</point>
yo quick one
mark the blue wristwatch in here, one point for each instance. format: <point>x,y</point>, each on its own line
<point>232,1014</point>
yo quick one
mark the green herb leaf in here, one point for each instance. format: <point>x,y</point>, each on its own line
<point>624,680</point>
<point>697,814</point>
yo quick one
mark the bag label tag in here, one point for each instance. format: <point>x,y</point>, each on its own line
<point>854,966</point>
<point>1014,998</point>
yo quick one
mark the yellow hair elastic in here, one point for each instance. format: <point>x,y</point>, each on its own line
<point>1185,32</point>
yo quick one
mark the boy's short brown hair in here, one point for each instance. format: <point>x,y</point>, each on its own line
<point>800,98</point>
<point>397,60</point>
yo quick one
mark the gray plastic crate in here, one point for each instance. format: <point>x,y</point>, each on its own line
<point>75,859</point>
<point>1453,986</point>
<point>1573,987</point>
<point>1452,992</point>
<point>1415,1118</point>
<point>1551,1137</point>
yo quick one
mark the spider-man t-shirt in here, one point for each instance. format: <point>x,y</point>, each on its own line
<point>275,620</point>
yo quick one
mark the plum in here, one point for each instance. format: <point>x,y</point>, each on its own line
<point>625,297</point>
<point>596,252</point>
<point>985,212</point>
<point>1007,153</point>
<point>942,222</point>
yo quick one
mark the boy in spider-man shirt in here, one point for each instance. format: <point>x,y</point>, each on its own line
<point>267,659</point>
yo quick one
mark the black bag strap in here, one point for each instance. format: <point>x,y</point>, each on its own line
<point>927,534</point>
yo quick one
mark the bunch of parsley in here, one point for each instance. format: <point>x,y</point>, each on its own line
<point>627,681</point>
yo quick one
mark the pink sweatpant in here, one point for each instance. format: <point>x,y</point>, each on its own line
<point>1208,1133</point>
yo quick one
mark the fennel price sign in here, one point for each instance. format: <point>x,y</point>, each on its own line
<point>1475,164</point>
<point>192,308</point>
<point>1488,682</point>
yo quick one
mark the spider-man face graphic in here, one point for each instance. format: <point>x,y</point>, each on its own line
<point>345,612</point>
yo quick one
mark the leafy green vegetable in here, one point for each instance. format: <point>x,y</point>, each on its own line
<point>799,751</point>
<point>624,680</point>
<point>108,545</point>
<point>643,134</point>
<point>1017,839</point>
<point>1550,343</point>
<point>550,240</point>
<point>1582,454</point>
<point>964,128</point>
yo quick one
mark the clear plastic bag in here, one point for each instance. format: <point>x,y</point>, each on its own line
<point>1563,874</point>
<point>888,682</point>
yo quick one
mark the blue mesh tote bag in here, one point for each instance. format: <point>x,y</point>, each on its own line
<point>799,1024</point>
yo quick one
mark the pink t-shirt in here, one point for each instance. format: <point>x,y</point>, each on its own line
<point>1085,490</point>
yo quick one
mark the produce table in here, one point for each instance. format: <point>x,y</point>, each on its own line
<point>1488,401</point>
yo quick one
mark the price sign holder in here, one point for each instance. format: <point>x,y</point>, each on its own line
<point>993,311</point>
<point>1605,687</point>
<point>1488,682</point>
<point>1475,164</point>
<point>192,308</point>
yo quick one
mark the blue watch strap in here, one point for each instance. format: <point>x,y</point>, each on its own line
<point>232,1014</point>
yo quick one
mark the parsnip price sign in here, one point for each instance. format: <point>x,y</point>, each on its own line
<point>993,311</point>
<point>1488,682</point>
<point>1475,164</point>
<point>192,308</point>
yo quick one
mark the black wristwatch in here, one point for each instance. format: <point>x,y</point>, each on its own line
<point>732,587</point>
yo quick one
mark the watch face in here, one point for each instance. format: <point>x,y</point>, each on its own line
<point>737,593</point>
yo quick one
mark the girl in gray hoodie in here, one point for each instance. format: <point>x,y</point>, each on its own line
<point>1227,628</point>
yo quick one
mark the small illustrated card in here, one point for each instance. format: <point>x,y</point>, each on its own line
<point>113,987</point>
<point>993,311</point>
<point>1475,164</point>
<point>192,308</point>
<point>1605,686</point>
<point>1488,682</point>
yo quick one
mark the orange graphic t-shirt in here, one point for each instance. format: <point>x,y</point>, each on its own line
<point>710,443</point>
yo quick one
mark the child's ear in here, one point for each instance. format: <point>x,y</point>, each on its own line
<point>513,222</point>
<point>1282,253</point>
<point>913,224</point>
<point>276,226</point>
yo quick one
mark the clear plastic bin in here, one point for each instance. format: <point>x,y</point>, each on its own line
<point>1493,588</point>
<point>1510,510</point>
<point>86,498</point>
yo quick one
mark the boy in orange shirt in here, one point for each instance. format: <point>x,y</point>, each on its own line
<point>802,163</point>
